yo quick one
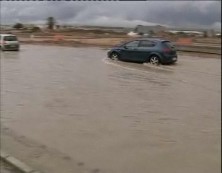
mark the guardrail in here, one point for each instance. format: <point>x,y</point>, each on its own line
<point>199,49</point>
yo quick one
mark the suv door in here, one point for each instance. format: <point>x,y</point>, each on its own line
<point>129,51</point>
<point>145,48</point>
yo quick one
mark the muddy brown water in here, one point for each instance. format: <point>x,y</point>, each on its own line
<point>113,117</point>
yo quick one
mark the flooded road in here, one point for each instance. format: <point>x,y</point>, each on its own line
<point>110,117</point>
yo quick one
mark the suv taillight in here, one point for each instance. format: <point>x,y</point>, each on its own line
<point>166,50</point>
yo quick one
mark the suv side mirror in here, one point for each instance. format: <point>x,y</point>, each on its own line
<point>125,47</point>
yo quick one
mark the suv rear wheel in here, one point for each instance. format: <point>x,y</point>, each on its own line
<point>154,60</point>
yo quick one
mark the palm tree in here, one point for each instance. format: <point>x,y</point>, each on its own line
<point>51,22</point>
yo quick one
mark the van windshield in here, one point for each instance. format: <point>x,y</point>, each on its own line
<point>10,38</point>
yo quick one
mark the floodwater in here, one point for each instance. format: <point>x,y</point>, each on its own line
<point>111,117</point>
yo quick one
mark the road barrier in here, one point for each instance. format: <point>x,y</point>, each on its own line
<point>184,41</point>
<point>16,163</point>
<point>58,37</point>
<point>189,45</point>
<point>199,49</point>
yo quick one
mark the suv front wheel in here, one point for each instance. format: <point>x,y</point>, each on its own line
<point>114,56</point>
<point>154,60</point>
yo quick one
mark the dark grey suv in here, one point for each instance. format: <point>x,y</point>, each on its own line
<point>154,51</point>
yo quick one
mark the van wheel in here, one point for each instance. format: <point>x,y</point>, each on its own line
<point>114,56</point>
<point>154,60</point>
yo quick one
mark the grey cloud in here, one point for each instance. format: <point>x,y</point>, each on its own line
<point>174,13</point>
<point>189,13</point>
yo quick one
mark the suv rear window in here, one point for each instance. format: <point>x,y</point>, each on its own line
<point>168,44</point>
<point>10,38</point>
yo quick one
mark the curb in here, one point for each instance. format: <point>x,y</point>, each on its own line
<point>181,48</point>
<point>17,163</point>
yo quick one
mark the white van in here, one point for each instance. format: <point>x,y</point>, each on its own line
<point>9,42</point>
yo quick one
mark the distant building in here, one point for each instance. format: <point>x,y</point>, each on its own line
<point>189,33</point>
<point>140,29</point>
<point>218,35</point>
<point>210,33</point>
<point>132,34</point>
<point>194,32</point>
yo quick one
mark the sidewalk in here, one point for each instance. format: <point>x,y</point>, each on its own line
<point>6,168</point>
<point>12,165</point>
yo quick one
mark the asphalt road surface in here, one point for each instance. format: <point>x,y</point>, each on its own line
<point>66,110</point>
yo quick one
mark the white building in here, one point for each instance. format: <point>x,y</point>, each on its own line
<point>150,29</point>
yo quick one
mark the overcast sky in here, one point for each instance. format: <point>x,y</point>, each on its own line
<point>129,14</point>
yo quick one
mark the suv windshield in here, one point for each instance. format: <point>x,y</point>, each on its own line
<point>10,38</point>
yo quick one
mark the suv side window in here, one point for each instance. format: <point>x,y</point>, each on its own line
<point>132,44</point>
<point>147,43</point>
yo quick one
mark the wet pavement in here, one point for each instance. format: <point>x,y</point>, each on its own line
<point>113,116</point>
